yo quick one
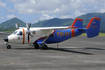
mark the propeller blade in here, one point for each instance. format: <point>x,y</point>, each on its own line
<point>17,26</point>
<point>28,38</point>
<point>28,30</point>
<point>27,26</point>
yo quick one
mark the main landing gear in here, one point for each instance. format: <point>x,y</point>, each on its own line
<point>44,47</point>
<point>36,46</point>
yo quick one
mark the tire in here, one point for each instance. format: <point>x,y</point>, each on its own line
<point>8,47</point>
<point>45,47</point>
<point>36,46</point>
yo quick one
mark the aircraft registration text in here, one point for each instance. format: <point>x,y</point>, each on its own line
<point>63,33</point>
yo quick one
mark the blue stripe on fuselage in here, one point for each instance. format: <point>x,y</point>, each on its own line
<point>61,35</point>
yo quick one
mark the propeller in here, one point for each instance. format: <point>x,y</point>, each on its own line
<point>28,30</point>
<point>17,26</point>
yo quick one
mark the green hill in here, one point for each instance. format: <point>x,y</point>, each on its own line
<point>67,22</point>
<point>55,22</point>
<point>11,23</point>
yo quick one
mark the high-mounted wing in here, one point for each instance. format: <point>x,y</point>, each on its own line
<point>41,32</point>
<point>48,31</point>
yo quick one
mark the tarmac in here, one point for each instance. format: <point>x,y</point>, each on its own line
<point>78,53</point>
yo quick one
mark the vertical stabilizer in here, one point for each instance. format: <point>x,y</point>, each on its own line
<point>78,23</point>
<point>93,27</point>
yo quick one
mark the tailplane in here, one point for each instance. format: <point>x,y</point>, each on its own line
<point>93,27</point>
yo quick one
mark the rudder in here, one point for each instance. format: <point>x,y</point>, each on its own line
<point>93,27</point>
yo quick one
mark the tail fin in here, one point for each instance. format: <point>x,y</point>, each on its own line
<point>78,23</point>
<point>93,27</point>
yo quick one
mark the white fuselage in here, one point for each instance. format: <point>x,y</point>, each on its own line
<point>21,36</point>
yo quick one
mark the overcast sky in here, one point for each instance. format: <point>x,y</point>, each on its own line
<point>38,10</point>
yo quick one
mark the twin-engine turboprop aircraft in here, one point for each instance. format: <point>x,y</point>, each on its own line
<point>47,35</point>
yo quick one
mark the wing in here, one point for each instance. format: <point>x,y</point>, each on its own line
<point>46,32</point>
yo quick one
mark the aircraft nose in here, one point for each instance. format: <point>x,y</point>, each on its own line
<point>6,39</point>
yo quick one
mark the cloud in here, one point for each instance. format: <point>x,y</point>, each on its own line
<point>1,17</point>
<point>60,8</point>
<point>2,5</point>
<point>10,16</point>
<point>45,17</point>
<point>10,10</point>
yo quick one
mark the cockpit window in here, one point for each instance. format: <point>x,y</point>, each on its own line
<point>20,33</point>
<point>15,32</point>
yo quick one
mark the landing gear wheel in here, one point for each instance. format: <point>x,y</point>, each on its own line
<point>8,47</point>
<point>36,46</point>
<point>45,47</point>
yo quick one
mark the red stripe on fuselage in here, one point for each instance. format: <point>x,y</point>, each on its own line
<point>72,32</point>
<point>23,36</point>
<point>52,32</point>
<point>39,39</point>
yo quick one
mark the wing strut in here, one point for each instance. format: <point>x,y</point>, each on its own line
<point>47,37</point>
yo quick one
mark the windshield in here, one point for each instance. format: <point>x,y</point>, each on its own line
<point>15,32</point>
<point>18,33</point>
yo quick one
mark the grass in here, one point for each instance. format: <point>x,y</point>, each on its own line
<point>84,34</point>
<point>8,31</point>
<point>100,34</point>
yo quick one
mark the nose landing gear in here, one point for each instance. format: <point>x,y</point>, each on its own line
<point>8,47</point>
<point>6,42</point>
